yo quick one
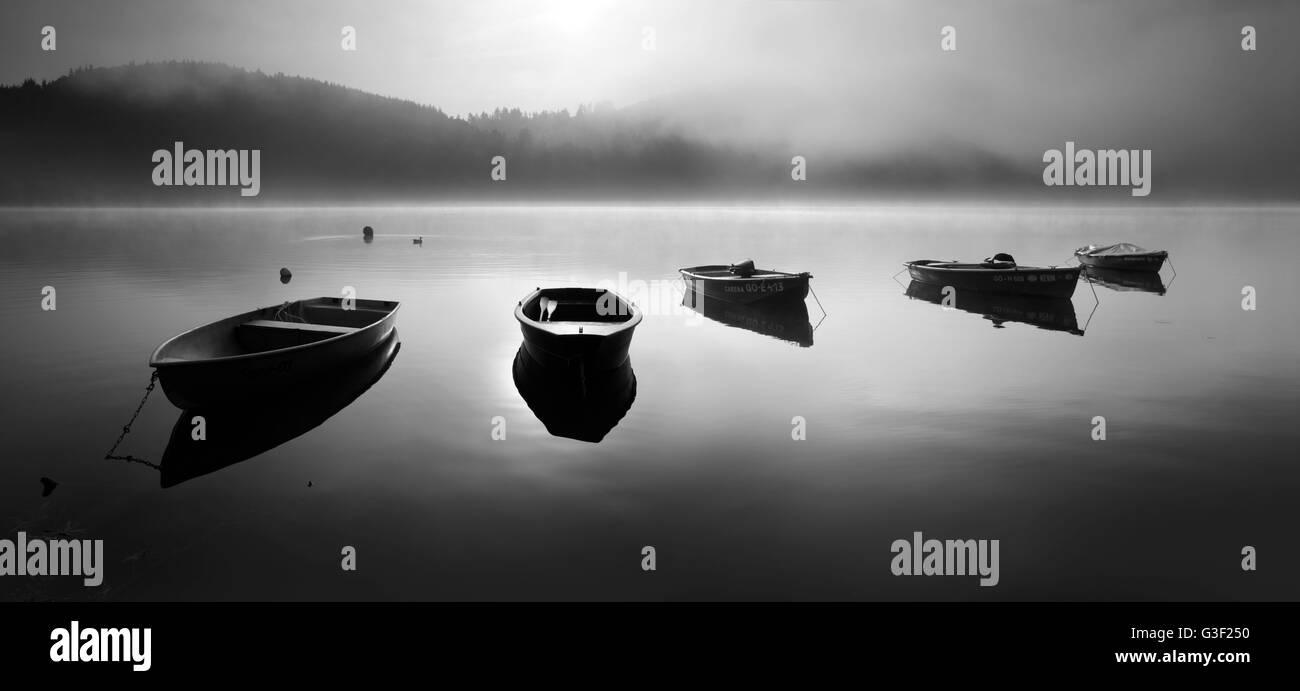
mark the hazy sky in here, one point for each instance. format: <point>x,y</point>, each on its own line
<point>1025,75</point>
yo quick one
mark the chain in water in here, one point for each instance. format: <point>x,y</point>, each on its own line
<point>126,429</point>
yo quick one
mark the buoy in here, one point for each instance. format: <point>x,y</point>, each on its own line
<point>285,274</point>
<point>368,232</point>
<point>47,486</point>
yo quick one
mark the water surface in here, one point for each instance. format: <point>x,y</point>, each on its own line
<point>918,418</point>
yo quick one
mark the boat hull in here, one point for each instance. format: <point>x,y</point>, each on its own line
<point>762,287</point>
<point>1021,280</point>
<point>592,352</point>
<point>255,377</point>
<point>1150,261</point>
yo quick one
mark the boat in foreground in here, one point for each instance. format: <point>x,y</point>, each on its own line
<point>269,351</point>
<point>1123,256</point>
<point>999,274</point>
<point>588,328</point>
<point>742,283</point>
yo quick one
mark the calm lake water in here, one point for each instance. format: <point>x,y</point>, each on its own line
<point>918,418</point>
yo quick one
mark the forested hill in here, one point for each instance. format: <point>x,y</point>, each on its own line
<point>88,138</point>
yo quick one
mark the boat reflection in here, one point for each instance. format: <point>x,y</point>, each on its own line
<point>785,320</point>
<point>238,434</point>
<point>574,404</point>
<point>1126,281</point>
<point>1051,314</point>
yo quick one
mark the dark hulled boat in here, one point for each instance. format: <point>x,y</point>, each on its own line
<point>742,283</point>
<point>588,328</point>
<point>1000,274</point>
<point>1051,314</point>
<point>1122,256</point>
<point>270,351</point>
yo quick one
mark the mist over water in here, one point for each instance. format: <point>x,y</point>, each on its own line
<point>919,418</point>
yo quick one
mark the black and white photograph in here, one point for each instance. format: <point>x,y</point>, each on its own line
<point>928,309</point>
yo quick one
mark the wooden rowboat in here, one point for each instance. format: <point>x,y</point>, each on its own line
<point>585,328</point>
<point>269,351</point>
<point>743,284</point>
<point>999,274</point>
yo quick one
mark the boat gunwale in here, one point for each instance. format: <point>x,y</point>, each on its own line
<point>769,274</point>
<point>609,328</point>
<point>979,268</point>
<point>155,363</point>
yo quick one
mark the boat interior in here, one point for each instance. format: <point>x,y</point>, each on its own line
<point>274,328</point>
<point>577,305</point>
<point>722,271</point>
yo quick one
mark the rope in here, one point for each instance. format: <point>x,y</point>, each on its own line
<point>1096,301</point>
<point>281,315</point>
<point>819,306</point>
<point>126,429</point>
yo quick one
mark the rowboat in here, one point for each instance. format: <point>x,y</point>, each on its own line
<point>782,319</point>
<point>1124,256</point>
<point>742,283</point>
<point>264,426</point>
<point>269,351</point>
<point>1126,281</point>
<point>999,274</point>
<point>586,328</point>
<point>1051,314</point>
<point>584,406</point>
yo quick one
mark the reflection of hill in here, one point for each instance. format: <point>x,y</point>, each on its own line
<point>88,137</point>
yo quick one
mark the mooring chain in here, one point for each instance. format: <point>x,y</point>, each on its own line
<point>126,429</point>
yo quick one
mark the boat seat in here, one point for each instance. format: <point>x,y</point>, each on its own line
<point>298,326</point>
<point>260,335</point>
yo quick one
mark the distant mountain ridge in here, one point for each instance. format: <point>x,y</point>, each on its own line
<point>88,137</point>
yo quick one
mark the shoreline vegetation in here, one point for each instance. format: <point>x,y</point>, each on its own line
<point>86,139</point>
